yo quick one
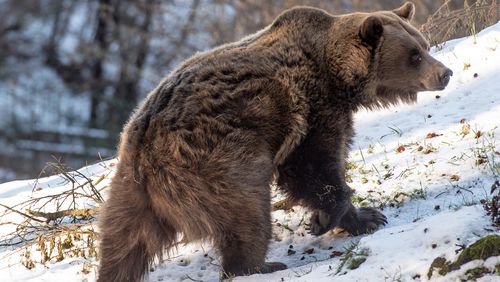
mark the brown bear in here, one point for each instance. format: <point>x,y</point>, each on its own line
<point>197,157</point>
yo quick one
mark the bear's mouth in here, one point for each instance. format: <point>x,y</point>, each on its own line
<point>437,87</point>
<point>434,86</point>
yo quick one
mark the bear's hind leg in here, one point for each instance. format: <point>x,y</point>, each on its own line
<point>241,207</point>
<point>244,246</point>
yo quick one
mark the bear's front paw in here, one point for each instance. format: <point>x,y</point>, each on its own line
<point>368,220</point>
<point>321,222</point>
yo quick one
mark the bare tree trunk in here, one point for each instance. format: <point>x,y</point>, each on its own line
<point>127,88</point>
<point>69,72</point>
<point>184,33</point>
<point>97,85</point>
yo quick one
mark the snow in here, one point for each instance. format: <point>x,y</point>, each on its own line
<point>428,185</point>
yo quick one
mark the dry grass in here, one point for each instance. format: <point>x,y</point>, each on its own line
<point>448,23</point>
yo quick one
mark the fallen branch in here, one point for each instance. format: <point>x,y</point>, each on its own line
<point>58,214</point>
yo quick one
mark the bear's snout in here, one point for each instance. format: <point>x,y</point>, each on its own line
<point>436,75</point>
<point>444,78</point>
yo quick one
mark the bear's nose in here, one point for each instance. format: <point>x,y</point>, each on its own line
<point>445,77</point>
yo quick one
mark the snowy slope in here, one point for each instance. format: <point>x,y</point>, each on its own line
<point>426,165</point>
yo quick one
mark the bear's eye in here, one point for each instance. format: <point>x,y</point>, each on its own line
<point>415,58</point>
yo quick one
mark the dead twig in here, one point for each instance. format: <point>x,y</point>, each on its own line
<point>86,213</point>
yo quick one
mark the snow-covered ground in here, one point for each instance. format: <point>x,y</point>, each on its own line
<point>426,165</point>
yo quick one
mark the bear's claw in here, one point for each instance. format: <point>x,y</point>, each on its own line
<point>366,220</point>
<point>273,266</point>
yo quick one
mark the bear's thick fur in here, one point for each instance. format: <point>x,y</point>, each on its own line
<point>197,157</point>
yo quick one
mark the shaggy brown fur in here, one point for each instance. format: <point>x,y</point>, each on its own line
<point>197,157</point>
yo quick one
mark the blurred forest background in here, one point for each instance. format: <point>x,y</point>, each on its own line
<point>71,71</point>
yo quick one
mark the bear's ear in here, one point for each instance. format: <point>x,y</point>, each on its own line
<point>371,30</point>
<point>407,11</point>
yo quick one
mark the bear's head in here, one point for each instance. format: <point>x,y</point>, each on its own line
<point>385,54</point>
<point>401,61</point>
